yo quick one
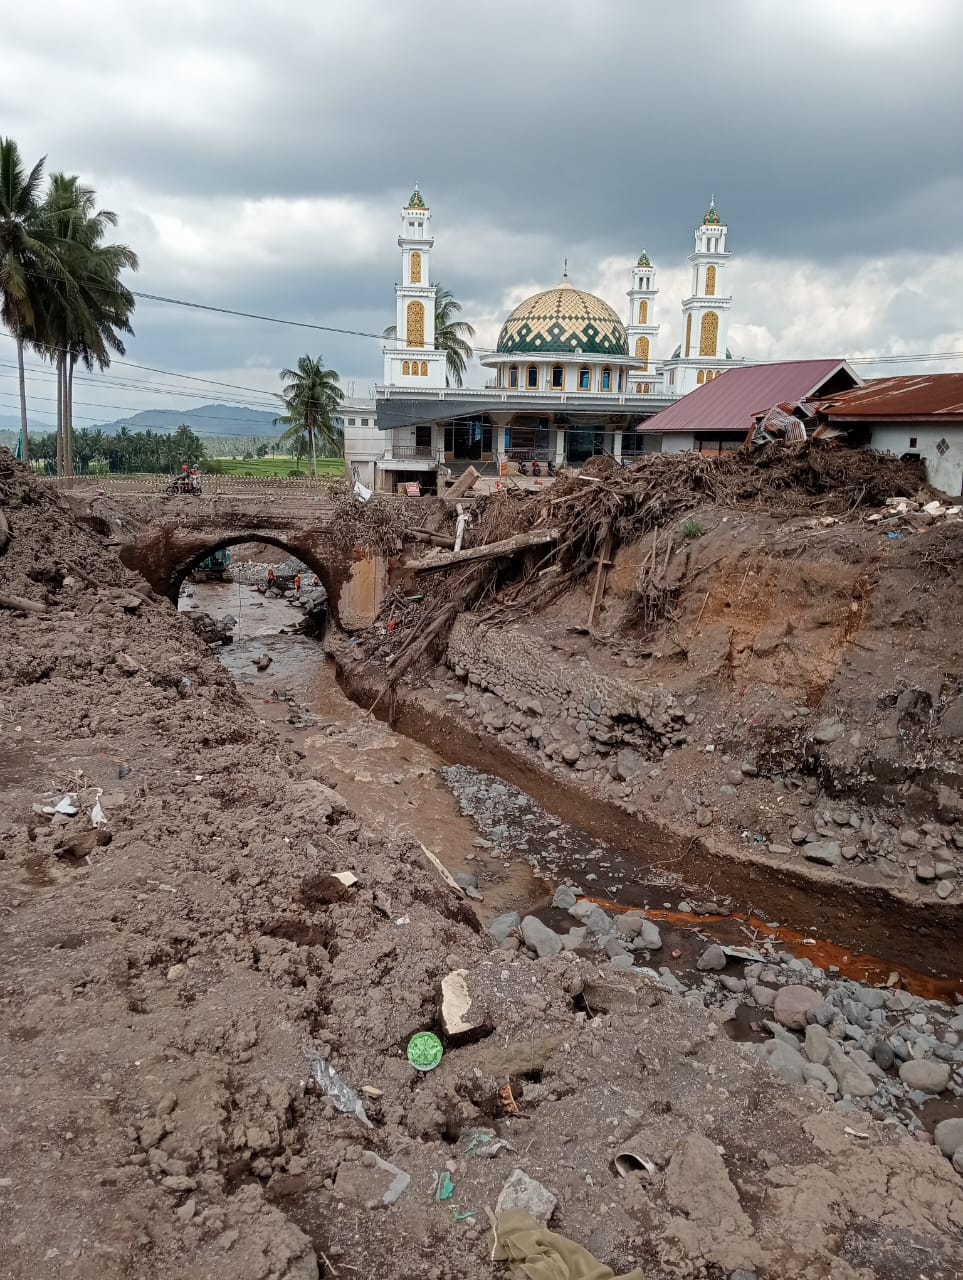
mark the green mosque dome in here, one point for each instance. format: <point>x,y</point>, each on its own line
<point>643,260</point>
<point>416,200</point>
<point>561,321</point>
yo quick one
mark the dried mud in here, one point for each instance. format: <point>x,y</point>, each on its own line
<point>159,989</point>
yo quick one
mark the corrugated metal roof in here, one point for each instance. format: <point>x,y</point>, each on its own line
<point>920,395</point>
<point>729,403</point>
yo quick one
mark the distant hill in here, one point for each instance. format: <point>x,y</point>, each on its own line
<point>205,420</point>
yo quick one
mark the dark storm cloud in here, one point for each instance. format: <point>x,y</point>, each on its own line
<point>829,133</point>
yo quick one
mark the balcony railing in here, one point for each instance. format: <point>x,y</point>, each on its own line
<point>401,451</point>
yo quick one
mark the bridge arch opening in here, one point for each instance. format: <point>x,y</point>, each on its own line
<point>330,580</point>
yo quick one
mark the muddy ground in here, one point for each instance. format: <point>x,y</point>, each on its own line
<point>165,974</point>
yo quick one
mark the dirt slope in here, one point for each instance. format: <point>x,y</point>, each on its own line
<point>163,974</point>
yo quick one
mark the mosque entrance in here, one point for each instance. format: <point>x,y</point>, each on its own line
<point>469,440</point>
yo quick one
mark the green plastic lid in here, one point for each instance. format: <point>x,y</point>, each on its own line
<point>424,1051</point>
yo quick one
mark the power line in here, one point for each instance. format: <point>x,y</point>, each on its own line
<point>208,417</point>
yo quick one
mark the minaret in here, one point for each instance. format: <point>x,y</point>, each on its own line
<point>641,329</point>
<point>412,359</point>
<point>705,313</point>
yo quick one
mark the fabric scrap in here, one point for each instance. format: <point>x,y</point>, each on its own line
<point>536,1253</point>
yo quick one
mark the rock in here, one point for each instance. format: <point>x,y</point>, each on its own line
<point>574,938</point>
<point>944,889</point>
<point>565,897</point>
<point>712,960</point>
<point>826,851</point>
<point>883,1055</point>
<point>629,924</point>
<point>698,1183</point>
<point>735,777</point>
<point>909,837</point>
<point>816,1073</point>
<point>504,925</point>
<point>540,939</point>
<point>735,985</point>
<point>126,663</point>
<point>614,947</point>
<point>779,850</point>
<point>649,936</point>
<point>626,993</point>
<point>592,915</point>
<point>523,1192</point>
<point>622,961</point>
<point>764,996</point>
<point>851,1079</point>
<point>571,752</point>
<point>948,1135</point>
<point>460,1015</point>
<point>920,1073</point>
<point>925,869</point>
<point>798,835</point>
<point>703,817</point>
<point>829,731</point>
<point>792,1003</point>
<point>628,765</point>
<point>816,1045</point>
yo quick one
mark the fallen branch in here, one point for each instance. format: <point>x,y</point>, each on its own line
<point>21,603</point>
<point>506,547</point>
<point>442,870</point>
<point>413,652</point>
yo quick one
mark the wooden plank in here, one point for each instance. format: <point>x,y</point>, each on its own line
<point>505,547</point>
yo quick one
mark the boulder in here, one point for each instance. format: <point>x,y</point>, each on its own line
<point>829,731</point>
<point>565,897</point>
<point>851,1079</point>
<point>712,960</point>
<point>816,1045</point>
<point>825,851</point>
<point>792,1003</point>
<point>921,1073</point>
<point>948,1136</point>
<point>523,1192</point>
<point>785,1061</point>
<point>592,915</point>
<point>649,936</point>
<point>504,925</point>
<point>540,938</point>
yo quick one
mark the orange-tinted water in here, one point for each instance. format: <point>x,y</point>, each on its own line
<point>857,965</point>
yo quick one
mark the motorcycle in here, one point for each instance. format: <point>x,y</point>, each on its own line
<point>552,469</point>
<point>523,469</point>
<point>536,467</point>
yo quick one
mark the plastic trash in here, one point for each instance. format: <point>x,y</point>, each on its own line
<point>424,1051</point>
<point>341,1094</point>
<point>97,816</point>
<point>67,805</point>
<point>631,1164</point>
<point>445,1187</point>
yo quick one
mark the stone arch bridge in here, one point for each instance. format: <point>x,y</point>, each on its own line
<point>165,537</point>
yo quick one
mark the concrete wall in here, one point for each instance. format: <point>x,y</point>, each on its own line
<point>944,471</point>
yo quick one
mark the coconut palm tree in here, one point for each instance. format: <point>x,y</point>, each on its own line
<point>451,335</point>
<point>29,259</point>
<point>84,322</point>
<point>312,397</point>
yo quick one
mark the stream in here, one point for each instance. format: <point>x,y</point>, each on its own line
<point>511,854</point>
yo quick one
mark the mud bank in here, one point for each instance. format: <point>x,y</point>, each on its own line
<point>864,918</point>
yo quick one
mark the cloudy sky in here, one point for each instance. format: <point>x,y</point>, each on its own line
<point>258,155</point>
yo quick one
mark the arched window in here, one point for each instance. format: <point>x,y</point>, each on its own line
<point>701,378</point>
<point>606,383</point>
<point>513,376</point>
<point>621,379</point>
<point>709,334</point>
<point>642,352</point>
<point>531,377</point>
<point>645,389</point>
<point>638,388</point>
<point>558,378</point>
<point>644,311</point>
<point>424,368</point>
<point>415,327</point>
<point>710,282</point>
<point>688,333</point>
<point>416,267</point>
<point>585,378</point>
<point>406,369</point>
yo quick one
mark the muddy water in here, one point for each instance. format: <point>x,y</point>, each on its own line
<point>476,823</point>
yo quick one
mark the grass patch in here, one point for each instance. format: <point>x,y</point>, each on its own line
<point>693,529</point>
<point>278,466</point>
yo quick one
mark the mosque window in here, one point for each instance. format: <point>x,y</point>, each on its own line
<point>406,368</point>
<point>416,267</point>
<point>638,388</point>
<point>606,383</point>
<point>532,377</point>
<point>621,377</point>
<point>643,312</point>
<point>513,376</point>
<point>710,282</point>
<point>701,378</point>
<point>415,328</point>
<point>645,389</point>
<point>424,368</point>
<point>558,377</point>
<point>585,378</point>
<point>709,334</point>
<point>688,334</point>
<point>642,352</point>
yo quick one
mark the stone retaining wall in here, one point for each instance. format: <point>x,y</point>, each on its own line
<point>569,710</point>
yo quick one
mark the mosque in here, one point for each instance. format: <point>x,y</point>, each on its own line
<point>569,378</point>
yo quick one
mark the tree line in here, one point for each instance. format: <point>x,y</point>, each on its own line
<point>61,292</point>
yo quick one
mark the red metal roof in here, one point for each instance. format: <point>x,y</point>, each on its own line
<point>918,396</point>
<point>729,403</point>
